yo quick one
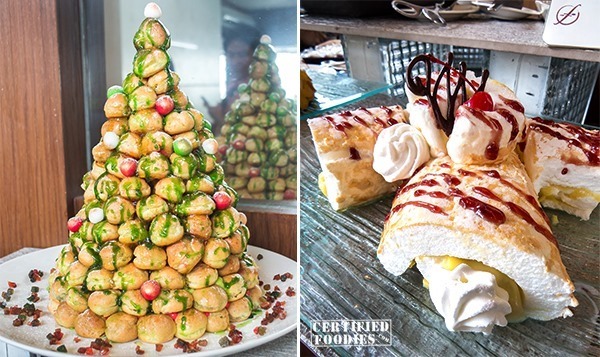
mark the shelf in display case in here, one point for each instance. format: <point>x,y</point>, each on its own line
<point>523,36</point>
<point>338,90</point>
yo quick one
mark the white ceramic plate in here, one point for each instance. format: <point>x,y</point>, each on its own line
<point>33,339</point>
<point>508,13</point>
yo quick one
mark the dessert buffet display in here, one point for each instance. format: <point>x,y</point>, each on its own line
<point>158,250</point>
<point>466,210</point>
<point>258,142</point>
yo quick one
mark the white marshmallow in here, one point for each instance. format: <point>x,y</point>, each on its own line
<point>210,146</point>
<point>265,39</point>
<point>110,140</point>
<point>152,10</point>
<point>96,215</point>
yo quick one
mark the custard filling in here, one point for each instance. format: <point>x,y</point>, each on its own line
<point>552,192</point>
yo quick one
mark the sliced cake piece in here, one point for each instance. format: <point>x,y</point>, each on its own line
<point>563,161</point>
<point>344,144</point>
<point>481,240</point>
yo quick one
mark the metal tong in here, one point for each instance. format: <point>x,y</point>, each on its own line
<point>413,11</point>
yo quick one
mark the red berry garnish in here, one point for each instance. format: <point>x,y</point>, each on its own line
<point>150,289</point>
<point>74,223</point>
<point>128,167</point>
<point>173,315</point>
<point>254,172</point>
<point>482,101</point>
<point>164,105</point>
<point>239,145</point>
<point>289,195</point>
<point>222,200</point>
<point>223,149</point>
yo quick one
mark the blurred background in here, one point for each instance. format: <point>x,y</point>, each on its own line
<point>211,48</point>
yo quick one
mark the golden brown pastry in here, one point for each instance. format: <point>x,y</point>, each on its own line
<point>344,144</point>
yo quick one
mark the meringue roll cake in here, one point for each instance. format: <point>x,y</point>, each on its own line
<point>470,218</point>
<point>344,144</point>
<point>563,161</point>
<point>487,218</point>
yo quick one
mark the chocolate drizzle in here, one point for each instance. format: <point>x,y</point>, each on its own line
<point>423,88</point>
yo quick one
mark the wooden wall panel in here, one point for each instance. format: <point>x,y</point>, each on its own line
<point>37,122</point>
<point>273,225</point>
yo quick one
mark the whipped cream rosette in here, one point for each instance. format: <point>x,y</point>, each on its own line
<point>399,151</point>
<point>469,299</point>
<point>471,119</point>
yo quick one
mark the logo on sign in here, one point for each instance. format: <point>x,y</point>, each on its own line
<point>567,15</point>
<point>351,332</point>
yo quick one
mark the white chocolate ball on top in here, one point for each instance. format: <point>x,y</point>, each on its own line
<point>96,215</point>
<point>110,139</point>
<point>152,10</point>
<point>265,39</point>
<point>210,146</point>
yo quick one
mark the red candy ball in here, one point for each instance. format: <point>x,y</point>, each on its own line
<point>74,223</point>
<point>289,195</point>
<point>128,167</point>
<point>150,290</point>
<point>239,145</point>
<point>164,105</point>
<point>254,172</point>
<point>482,101</point>
<point>222,200</point>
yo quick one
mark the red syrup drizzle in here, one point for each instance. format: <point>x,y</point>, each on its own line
<point>482,209</point>
<point>428,206</point>
<point>579,136</point>
<point>426,182</point>
<point>344,124</point>
<point>341,126</point>
<point>529,198</point>
<point>387,110</point>
<point>434,194</point>
<point>515,105</point>
<point>519,211</point>
<point>514,131</point>
<point>491,151</point>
